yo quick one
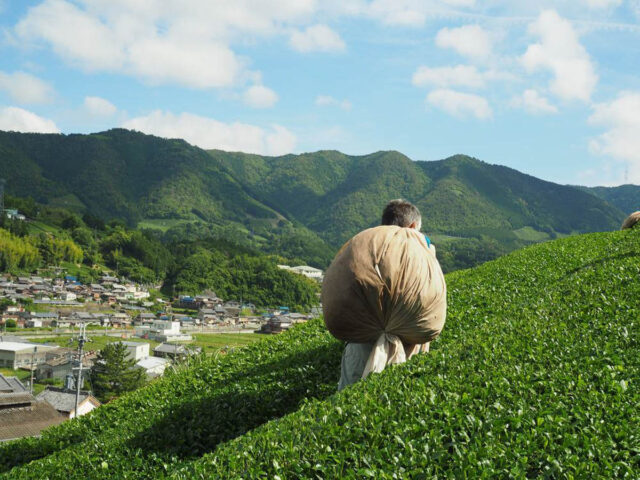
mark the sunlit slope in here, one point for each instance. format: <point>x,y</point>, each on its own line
<point>536,373</point>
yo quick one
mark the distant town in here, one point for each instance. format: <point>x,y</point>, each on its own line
<point>42,315</point>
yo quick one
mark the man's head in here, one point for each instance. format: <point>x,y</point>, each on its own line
<point>402,213</point>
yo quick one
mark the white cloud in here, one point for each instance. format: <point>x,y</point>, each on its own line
<point>99,107</point>
<point>460,104</point>
<point>532,102</point>
<point>603,3</point>
<point>316,38</point>
<point>410,13</point>
<point>209,133</point>
<point>460,75</point>
<point>259,96</point>
<point>560,52</point>
<point>25,88</point>
<point>19,120</point>
<point>471,41</point>
<point>621,141</point>
<point>329,101</point>
<point>160,42</point>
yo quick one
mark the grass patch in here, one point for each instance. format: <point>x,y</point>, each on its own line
<point>163,224</point>
<point>530,234</point>
<point>216,341</point>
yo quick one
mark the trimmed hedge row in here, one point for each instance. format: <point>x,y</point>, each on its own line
<point>537,375</point>
<point>185,414</point>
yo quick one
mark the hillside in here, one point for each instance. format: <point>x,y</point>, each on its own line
<point>338,195</point>
<point>150,182</point>
<point>624,197</point>
<point>536,374</point>
<point>298,206</point>
<point>87,247</point>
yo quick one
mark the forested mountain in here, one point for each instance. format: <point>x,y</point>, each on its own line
<point>299,206</point>
<point>625,197</point>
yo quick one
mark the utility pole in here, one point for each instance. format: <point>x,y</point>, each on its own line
<point>81,340</point>
<point>35,349</point>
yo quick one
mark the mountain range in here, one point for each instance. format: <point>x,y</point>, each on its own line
<point>303,205</point>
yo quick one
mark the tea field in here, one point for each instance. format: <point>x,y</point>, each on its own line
<point>536,374</point>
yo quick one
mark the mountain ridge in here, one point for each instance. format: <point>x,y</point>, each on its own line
<point>308,203</point>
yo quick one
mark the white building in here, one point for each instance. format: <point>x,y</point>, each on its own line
<point>305,270</point>
<point>153,366</point>
<point>162,331</point>
<point>16,355</point>
<point>136,350</point>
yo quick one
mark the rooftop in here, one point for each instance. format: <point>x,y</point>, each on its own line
<point>152,362</point>
<point>28,421</point>
<point>19,347</point>
<point>63,400</point>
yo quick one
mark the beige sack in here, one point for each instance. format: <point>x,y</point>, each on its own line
<point>385,286</point>
<point>631,220</point>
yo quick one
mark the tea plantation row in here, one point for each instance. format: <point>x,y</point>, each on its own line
<point>537,373</point>
<point>184,414</point>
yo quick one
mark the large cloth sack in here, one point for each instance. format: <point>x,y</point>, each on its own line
<point>631,221</point>
<point>385,286</point>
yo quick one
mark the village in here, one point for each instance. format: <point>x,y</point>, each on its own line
<point>43,315</point>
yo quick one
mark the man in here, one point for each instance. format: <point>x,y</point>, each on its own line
<point>355,356</point>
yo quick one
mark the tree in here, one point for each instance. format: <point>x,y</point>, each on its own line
<point>4,304</point>
<point>113,374</point>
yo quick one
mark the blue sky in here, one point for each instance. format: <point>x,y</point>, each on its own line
<point>549,88</point>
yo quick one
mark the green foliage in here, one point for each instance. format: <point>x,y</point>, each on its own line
<point>113,374</point>
<point>11,323</point>
<point>56,250</point>
<point>535,375</point>
<point>252,278</point>
<point>625,197</point>
<point>17,253</point>
<point>5,303</point>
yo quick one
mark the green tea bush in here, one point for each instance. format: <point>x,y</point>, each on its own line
<point>536,374</point>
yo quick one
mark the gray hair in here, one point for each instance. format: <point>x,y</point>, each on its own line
<point>401,213</point>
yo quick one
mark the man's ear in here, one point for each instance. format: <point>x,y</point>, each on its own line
<point>414,225</point>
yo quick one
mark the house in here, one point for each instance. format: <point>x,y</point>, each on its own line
<point>33,323</point>
<point>136,350</point>
<point>63,322</point>
<point>175,351</point>
<point>64,401</point>
<point>108,279</point>
<point>162,331</point>
<point>207,315</point>
<point>21,415</point>
<point>63,364</point>
<point>97,288</point>
<point>153,366</point>
<point>276,325</point>
<point>145,318</point>
<point>297,317</point>
<point>42,319</point>
<point>23,355</point>
<point>120,319</point>
<point>68,296</point>
<point>187,301</point>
